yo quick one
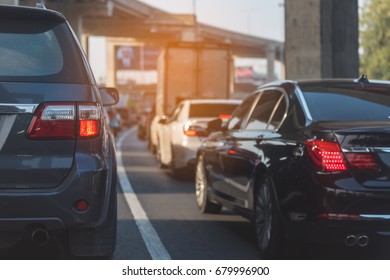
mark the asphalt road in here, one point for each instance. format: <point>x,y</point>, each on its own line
<point>170,207</point>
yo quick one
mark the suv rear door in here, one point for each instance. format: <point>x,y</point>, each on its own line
<point>38,69</point>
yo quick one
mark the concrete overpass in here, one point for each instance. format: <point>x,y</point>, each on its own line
<point>134,19</point>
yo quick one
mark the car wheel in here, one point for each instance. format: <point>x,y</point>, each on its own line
<point>178,173</point>
<point>201,190</point>
<point>267,222</point>
<point>152,148</point>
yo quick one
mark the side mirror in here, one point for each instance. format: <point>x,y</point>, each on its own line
<point>109,95</point>
<point>214,125</point>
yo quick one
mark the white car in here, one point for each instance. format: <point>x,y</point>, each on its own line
<point>179,136</point>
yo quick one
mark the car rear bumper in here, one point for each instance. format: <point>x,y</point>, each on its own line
<point>185,152</point>
<point>55,209</point>
<point>330,207</point>
<point>350,232</point>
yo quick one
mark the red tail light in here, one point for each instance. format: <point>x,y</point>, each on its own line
<point>362,161</point>
<point>326,155</point>
<point>224,116</point>
<point>190,132</point>
<point>333,216</point>
<point>194,130</point>
<point>89,120</point>
<point>65,121</point>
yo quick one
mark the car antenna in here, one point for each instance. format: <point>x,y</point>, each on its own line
<point>363,80</point>
<point>40,6</point>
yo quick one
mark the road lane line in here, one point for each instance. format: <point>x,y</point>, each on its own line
<point>152,241</point>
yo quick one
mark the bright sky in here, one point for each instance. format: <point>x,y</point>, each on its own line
<point>262,18</point>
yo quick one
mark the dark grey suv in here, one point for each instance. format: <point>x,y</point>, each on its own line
<point>57,156</point>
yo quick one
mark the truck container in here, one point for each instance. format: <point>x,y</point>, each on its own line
<point>192,71</point>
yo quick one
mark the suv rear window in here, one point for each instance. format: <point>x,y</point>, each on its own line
<point>211,110</point>
<point>349,104</point>
<point>38,51</point>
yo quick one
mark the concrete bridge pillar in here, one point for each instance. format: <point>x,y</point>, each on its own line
<point>321,39</point>
<point>10,2</point>
<point>271,63</point>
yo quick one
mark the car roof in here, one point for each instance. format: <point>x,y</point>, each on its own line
<point>21,12</point>
<point>330,82</point>
<point>362,81</point>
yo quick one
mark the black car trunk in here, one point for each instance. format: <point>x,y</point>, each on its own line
<point>366,149</point>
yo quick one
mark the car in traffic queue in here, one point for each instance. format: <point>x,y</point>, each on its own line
<point>143,123</point>
<point>304,160</point>
<point>180,135</point>
<point>57,155</point>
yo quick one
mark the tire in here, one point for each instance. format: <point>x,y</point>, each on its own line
<point>201,190</point>
<point>178,173</point>
<point>158,156</point>
<point>267,222</point>
<point>151,147</point>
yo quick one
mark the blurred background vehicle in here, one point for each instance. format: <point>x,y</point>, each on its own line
<point>180,135</point>
<point>188,71</point>
<point>126,116</point>
<point>305,160</point>
<point>114,120</point>
<point>143,124</point>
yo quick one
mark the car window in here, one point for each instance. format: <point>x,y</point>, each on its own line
<point>279,113</point>
<point>213,110</point>
<point>175,113</point>
<point>38,51</point>
<point>262,113</point>
<point>240,113</point>
<point>348,104</point>
<point>30,54</point>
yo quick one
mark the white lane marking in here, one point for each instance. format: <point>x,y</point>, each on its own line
<point>152,241</point>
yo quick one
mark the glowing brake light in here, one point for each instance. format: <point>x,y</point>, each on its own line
<point>326,155</point>
<point>65,121</point>
<point>88,128</point>
<point>224,116</point>
<point>195,130</point>
<point>89,120</point>
<point>190,132</point>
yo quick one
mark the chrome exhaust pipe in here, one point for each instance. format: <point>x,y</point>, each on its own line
<point>350,240</point>
<point>363,240</point>
<point>40,237</point>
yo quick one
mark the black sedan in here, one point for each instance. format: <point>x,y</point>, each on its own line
<point>306,160</point>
